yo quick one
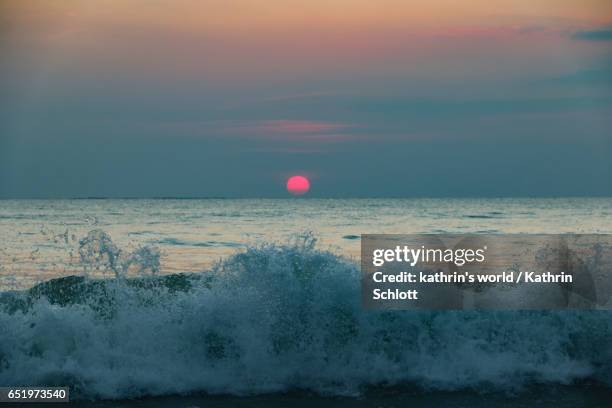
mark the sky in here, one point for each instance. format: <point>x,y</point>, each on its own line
<point>228,98</point>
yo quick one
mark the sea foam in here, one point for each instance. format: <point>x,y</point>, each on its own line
<point>275,318</point>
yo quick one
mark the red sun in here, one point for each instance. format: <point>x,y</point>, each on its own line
<point>298,185</point>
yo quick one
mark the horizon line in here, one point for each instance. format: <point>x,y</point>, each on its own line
<point>296,198</point>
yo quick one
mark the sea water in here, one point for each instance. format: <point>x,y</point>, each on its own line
<point>40,238</point>
<point>271,303</point>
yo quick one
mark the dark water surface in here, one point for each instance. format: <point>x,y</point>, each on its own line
<point>587,395</point>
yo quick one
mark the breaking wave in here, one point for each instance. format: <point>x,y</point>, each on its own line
<point>274,318</point>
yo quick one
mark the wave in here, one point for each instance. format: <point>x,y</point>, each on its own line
<point>351,237</point>
<point>180,242</point>
<point>277,318</point>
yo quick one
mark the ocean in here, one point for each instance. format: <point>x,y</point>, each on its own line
<point>256,302</point>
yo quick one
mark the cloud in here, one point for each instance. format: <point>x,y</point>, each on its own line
<point>298,126</point>
<point>290,130</point>
<point>596,76</point>
<point>293,136</point>
<point>600,34</point>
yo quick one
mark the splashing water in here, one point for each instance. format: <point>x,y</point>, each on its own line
<point>273,318</point>
<point>97,251</point>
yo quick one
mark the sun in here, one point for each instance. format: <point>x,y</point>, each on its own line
<point>298,185</point>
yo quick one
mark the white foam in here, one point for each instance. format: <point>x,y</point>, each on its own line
<point>279,318</point>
